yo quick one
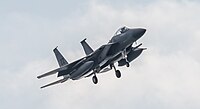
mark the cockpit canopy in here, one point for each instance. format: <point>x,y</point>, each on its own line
<point>121,30</point>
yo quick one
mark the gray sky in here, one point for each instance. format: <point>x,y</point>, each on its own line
<point>166,76</point>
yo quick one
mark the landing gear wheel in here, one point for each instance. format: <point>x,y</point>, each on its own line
<point>127,64</point>
<point>95,79</point>
<point>118,74</point>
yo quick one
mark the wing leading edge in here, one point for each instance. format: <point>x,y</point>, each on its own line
<point>56,82</point>
<point>53,72</point>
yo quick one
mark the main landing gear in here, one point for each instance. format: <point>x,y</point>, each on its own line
<point>95,79</point>
<point>117,72</point>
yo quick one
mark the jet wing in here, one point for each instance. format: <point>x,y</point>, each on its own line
<point>106,49</point>
<point>102,71</point>
<point>65,67</point>
<point>52,72</point>
<point>113,48</point>
<point>105,70</point>
<point>56,82</point>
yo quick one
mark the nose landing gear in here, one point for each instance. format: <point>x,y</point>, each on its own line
<point>127,64</point>
<point>124,55</point>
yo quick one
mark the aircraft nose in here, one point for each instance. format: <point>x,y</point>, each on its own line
<point>139,32</point>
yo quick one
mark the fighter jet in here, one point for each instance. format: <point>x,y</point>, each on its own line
<point>118,49</point>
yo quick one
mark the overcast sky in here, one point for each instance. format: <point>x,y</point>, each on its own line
<point>166,76</point>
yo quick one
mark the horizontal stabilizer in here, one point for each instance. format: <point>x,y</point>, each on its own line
<point>56,82</point>
<point>52,72</point>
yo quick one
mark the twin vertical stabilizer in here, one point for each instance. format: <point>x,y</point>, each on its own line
<point>88,50</point>
<point>61,60</point>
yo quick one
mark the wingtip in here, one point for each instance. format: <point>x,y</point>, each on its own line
<point>38,77</point>
<point>144,48</point>
<point>42,87</point>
